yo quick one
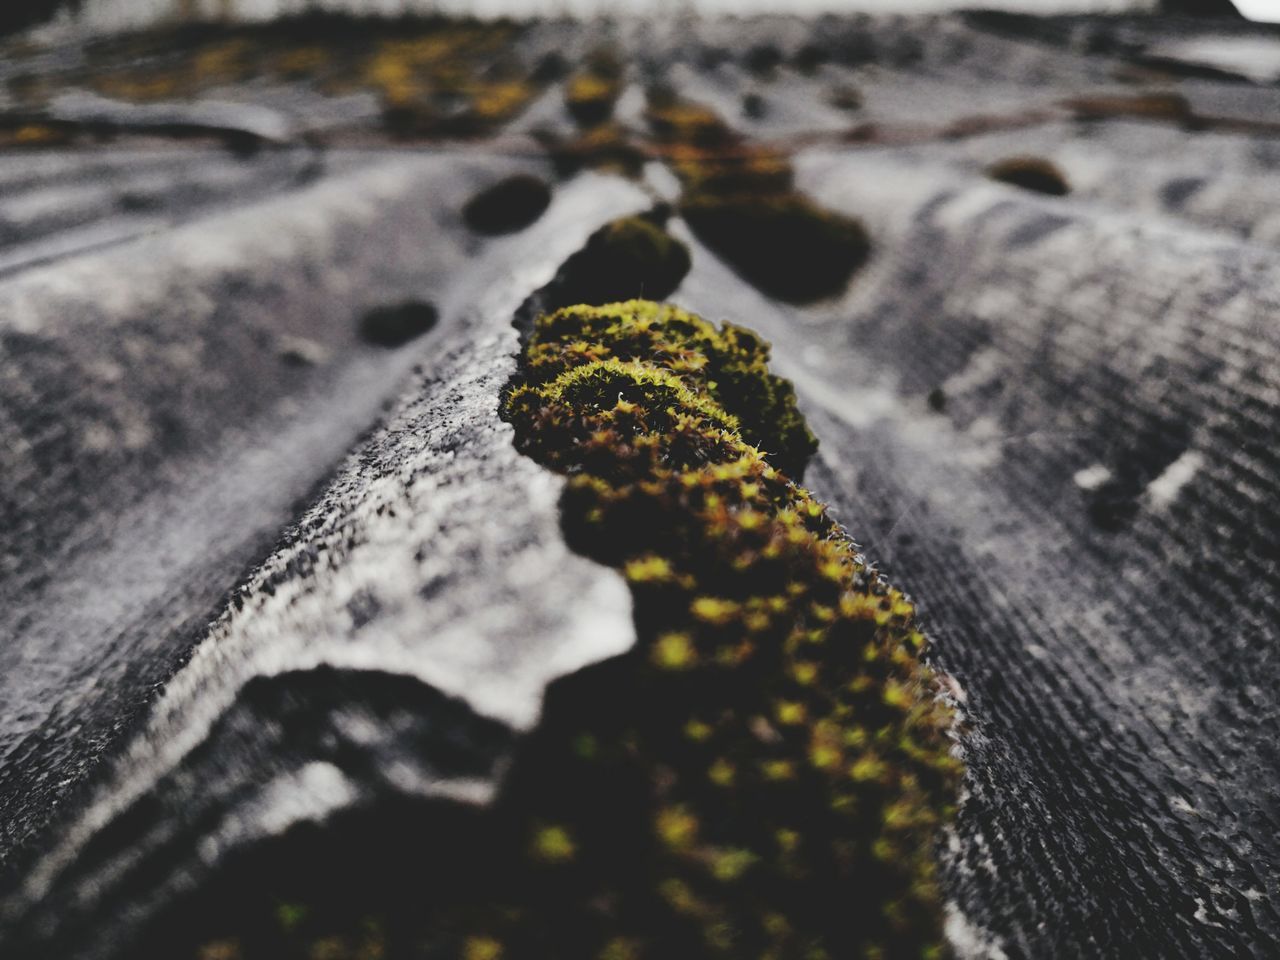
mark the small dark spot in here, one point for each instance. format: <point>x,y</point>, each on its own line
<point>132,201</point>
<point>507,206</point>
<point>550,68</point>
<point>363,607</point>
<point>1031,173</point>
<point>242,144</point>
<point>754,106</point>
<point>845,97</point>
<point>762,59</point>
<point>1112,506</point>
<point>396,325</point>
<point>1177,192</point>
<point>937,400</point>
<point>711,58</point>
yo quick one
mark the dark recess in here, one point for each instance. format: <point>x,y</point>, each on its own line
<point>507,206</point>
<point>397,324</point>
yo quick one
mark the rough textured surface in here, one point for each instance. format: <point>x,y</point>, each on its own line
<point>1049,417</point>
<point>397,568</point>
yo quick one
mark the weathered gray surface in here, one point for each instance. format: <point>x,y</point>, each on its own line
<point>1088,521</point>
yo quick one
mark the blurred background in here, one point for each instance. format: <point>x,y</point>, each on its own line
<point>102,14</point>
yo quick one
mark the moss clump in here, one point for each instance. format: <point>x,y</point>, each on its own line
<point>1031,173</point>
<point>629,257</point>
<point>509,205</point>
<point>730,365</point>
<point>765,772</point>
<point>783,244</point>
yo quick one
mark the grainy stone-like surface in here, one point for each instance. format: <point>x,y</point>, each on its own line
<point>1051,418</point>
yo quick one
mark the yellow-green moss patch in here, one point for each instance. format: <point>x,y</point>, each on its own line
<point>765,773</point>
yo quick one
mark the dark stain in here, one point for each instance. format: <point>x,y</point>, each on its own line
<point>1112,506</point>
<point>762,59</point>
<point>1177,192</point>
<point>507,206</point>
<point>785,245</point>
<point>1031,173</point>
<point>396,325</point>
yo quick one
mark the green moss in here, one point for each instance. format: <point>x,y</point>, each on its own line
<point>728,366</point>
<point>629,257</point>
<point>1030,173</point>
<point>768,768</point>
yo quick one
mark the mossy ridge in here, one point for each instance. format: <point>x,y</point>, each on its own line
<point>765,773</point>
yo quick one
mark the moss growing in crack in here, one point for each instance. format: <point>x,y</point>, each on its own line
<point>729,365</point>
<point>765,773</point>
<point>1030,173</point>
<point>628,257</point>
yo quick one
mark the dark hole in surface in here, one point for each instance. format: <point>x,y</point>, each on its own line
<point>1031,173</point>
<point>507,206</point>
<point>395,325</point>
